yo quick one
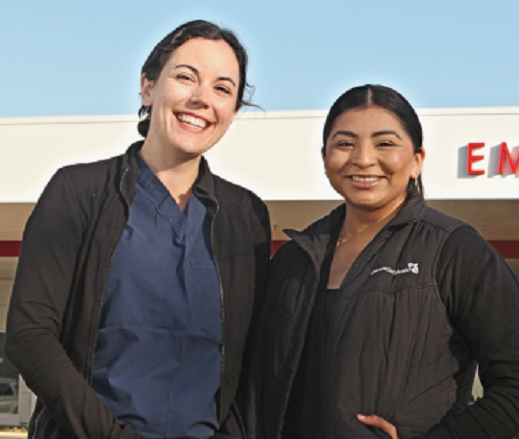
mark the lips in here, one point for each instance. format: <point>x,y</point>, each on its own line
<point>192,121</point>
<point>364,181</point>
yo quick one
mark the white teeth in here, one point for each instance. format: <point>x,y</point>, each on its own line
<point>364,179</point>
<point>191,120</point>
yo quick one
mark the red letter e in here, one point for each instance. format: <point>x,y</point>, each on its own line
<point>471,158</point>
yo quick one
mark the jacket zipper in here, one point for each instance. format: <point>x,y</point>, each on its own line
<point>222,307</point>
<point>329,412</point>
<point>101,299</point>
<point>327,379</point>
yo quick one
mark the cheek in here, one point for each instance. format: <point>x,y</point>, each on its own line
<point>225,114</point>
<point>399,163</point>
<point>171,95</point>
<point>334,162</point>
<point>160,100</point>
<point>175,95</point>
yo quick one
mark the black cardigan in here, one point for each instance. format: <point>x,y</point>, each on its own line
<point>64,263</point>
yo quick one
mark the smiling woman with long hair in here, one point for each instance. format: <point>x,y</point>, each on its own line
<point>376,315</point>
<point>137,276</point>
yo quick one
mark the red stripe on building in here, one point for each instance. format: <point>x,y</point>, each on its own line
<point>10,248</point>
<point>275,246</point>
<point>507,249</point>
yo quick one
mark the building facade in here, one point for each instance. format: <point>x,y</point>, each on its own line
<point>471,172</point>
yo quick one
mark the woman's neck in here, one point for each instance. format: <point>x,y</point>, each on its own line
<point>365,224</point>
<point>177,174</point>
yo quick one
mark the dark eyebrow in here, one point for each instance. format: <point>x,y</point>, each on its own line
<point>385,133</point>
<point>187,66</point>
<point>344,133</point>
<point>196,72</point>
<point>225,78</point>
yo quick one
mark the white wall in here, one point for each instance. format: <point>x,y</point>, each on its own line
<point>447,133</point>
<point>33,148</point>
<point>276,154</point>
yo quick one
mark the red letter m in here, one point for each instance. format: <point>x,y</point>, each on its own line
<point>505,153</point>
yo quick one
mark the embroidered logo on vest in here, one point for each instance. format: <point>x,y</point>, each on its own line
<point>411,268</point>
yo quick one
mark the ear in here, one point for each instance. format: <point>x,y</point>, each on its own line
<point>419,157</point>
<point>146,91</point>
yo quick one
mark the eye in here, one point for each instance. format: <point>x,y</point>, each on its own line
<point>385,144</point>
<point>184,77</point>
<point>345,144</point>
<point>223,89</point>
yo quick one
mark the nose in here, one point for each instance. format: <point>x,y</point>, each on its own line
<point>363,155</point>
<point>200,97</point>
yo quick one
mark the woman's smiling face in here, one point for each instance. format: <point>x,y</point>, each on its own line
<point>369,158</point>
<point>194,98</point>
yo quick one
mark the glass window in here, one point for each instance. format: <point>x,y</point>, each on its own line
<point>8,383</point>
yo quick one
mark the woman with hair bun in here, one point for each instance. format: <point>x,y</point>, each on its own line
<point>376,315</point>
<point>137,276</point>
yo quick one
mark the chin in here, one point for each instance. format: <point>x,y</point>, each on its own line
<point>373,204</point>
<point>363,202</point>
<point>368,207</point>
<point>192,150</point>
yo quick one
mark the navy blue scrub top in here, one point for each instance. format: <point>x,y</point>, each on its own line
<point>158,355</point>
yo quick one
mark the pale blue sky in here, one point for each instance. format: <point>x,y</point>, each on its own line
<point>79,57</point>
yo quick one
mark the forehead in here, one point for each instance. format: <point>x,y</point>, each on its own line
<point>207,56</point>
<point>366,120</point>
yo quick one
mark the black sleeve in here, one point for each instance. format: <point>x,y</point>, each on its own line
<point>45,273</point>
<point>481,296</point>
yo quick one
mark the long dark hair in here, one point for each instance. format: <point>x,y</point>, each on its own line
<point>194,29</point>
<point>389,99</point>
